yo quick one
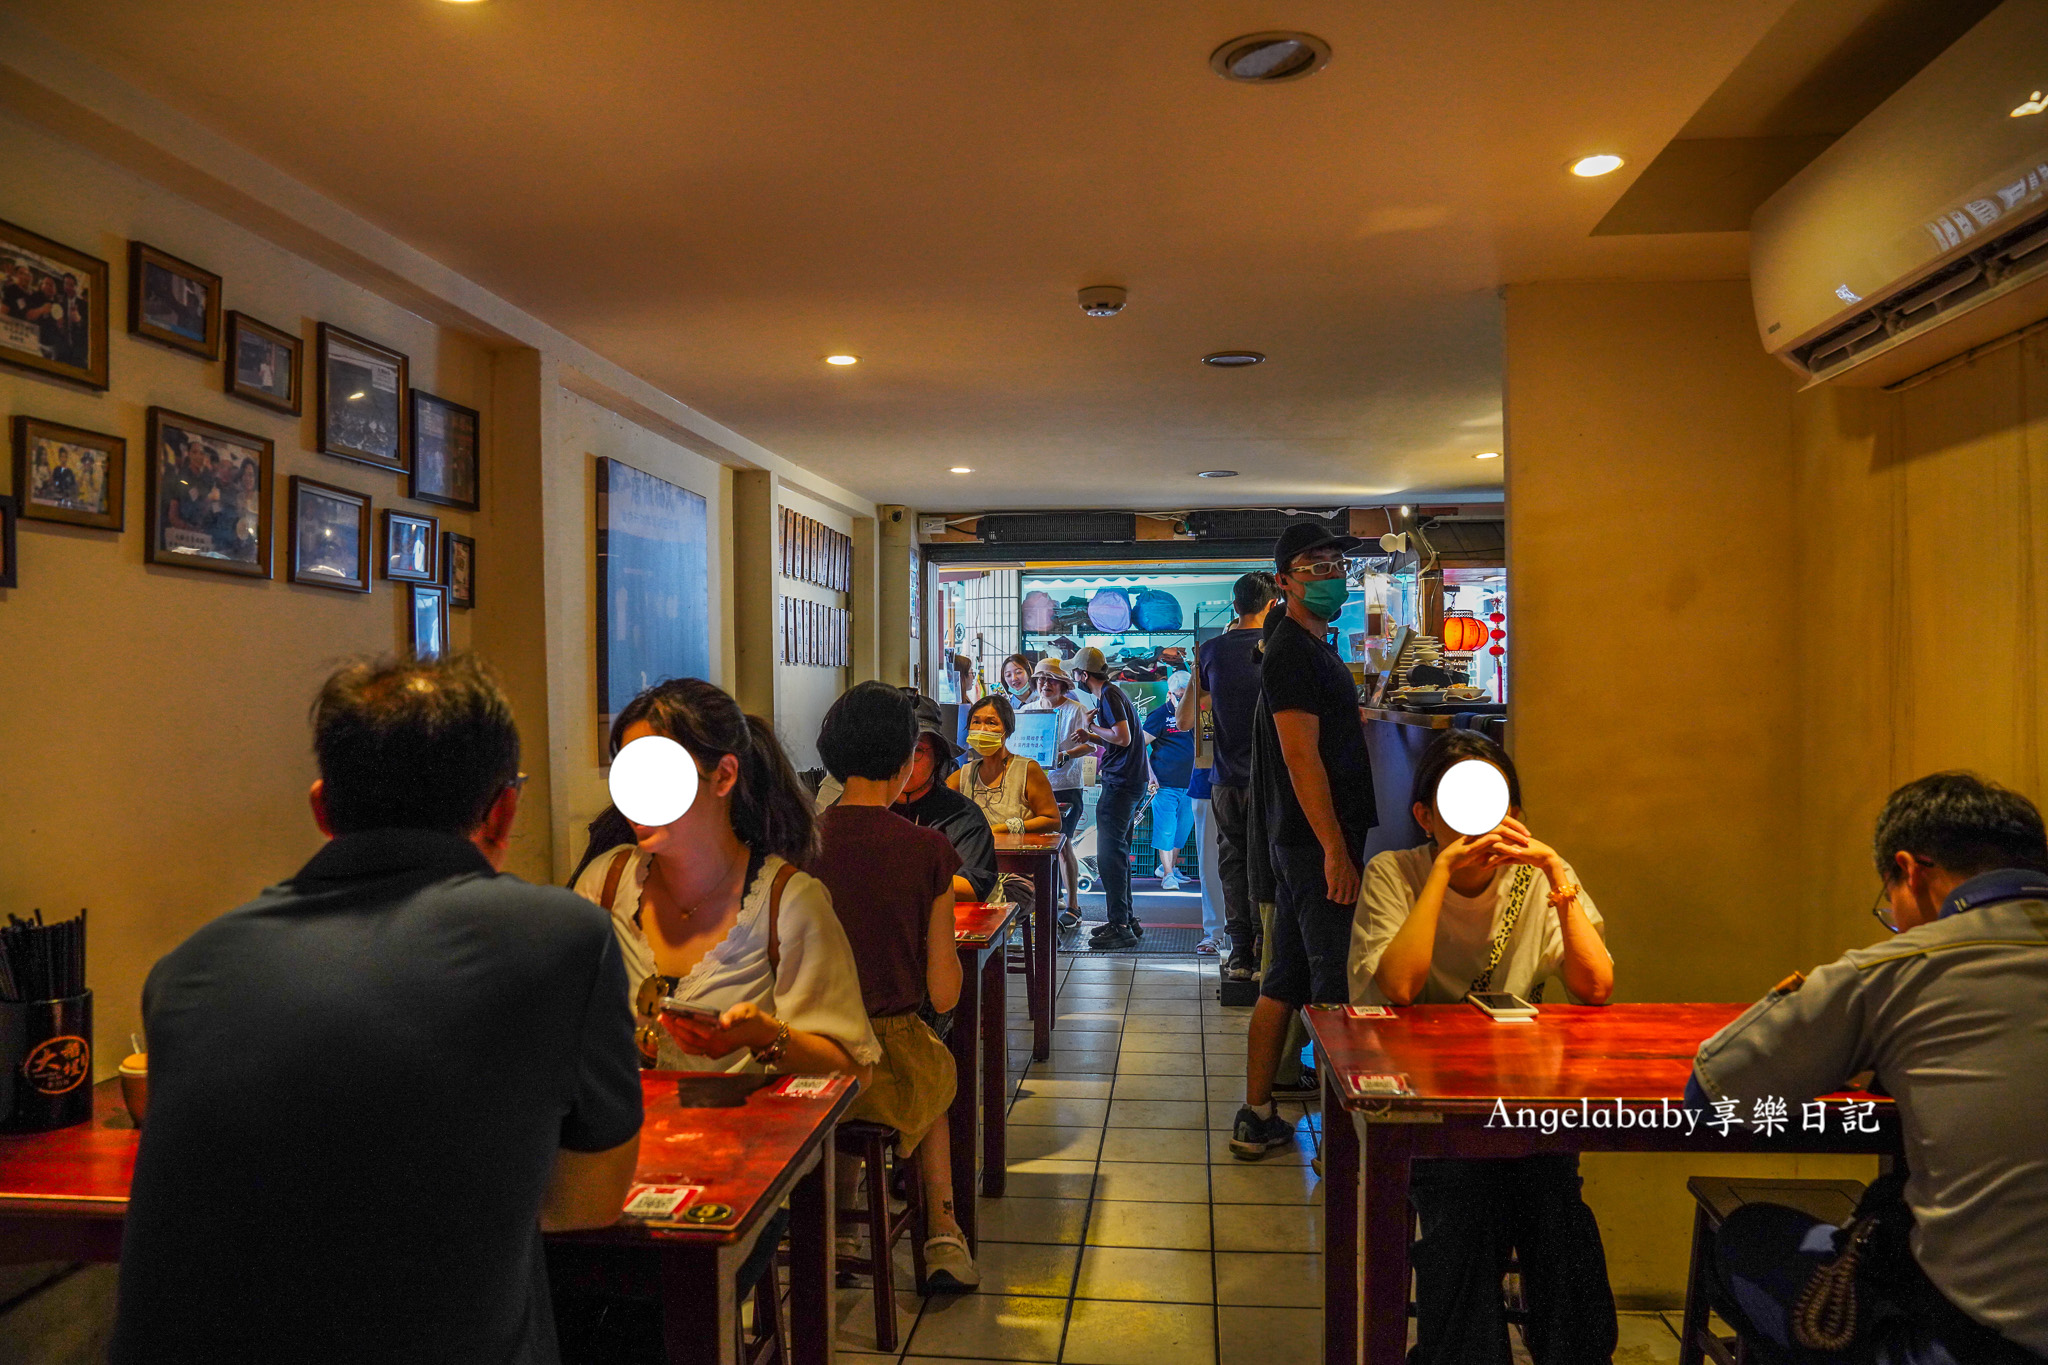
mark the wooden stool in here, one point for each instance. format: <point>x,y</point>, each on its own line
<point>767,1344</point>
<point>872,1145</point>
<point>1831,1201</point>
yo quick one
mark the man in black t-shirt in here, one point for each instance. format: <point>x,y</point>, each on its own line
<point>1318,806</point>
<point>1228,667</point>
<point>929,802</point>
<point>1123,775</point>
<point>374,1086</point>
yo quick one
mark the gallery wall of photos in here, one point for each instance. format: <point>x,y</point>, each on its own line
<point>815,635</point>
<point>813,552</point>
<point>209,493</point>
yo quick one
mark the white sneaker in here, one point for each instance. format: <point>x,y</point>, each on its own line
<point>1170,882</point>
<point>948,1267</point>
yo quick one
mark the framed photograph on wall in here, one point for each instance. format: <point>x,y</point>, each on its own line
<point>412,547</point>
<point>65,474</point>
<point>361,395</point>
<point>445,452</point>
<point>173,302</point>
<point>330,530</point>
<point>53,308</point>
<point>263,364</point>
<point>458,569</point>
<point>207,492</point>
<point>8,572</point>
<point>653,584</point>
<point>427,621</point>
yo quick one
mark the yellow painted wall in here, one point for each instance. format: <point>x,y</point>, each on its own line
<point>154,754</point>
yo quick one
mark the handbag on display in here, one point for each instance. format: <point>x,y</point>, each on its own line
<point>1156,611</point>
<point>1039,611</point>
<point>1110,611</point>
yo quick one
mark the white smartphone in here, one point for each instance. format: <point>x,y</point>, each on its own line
<point>695,1013</point>
<point>1504,1007</point>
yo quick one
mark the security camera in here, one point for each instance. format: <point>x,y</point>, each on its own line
<point>1103,300</point>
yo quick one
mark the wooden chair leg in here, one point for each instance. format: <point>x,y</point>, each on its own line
<point>919,1217</point>
<point>876,1158</point>
<point>1693,1326</point>
<point>771,1342</point>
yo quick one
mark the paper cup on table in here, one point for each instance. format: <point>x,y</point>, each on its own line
<point>135,1085</point>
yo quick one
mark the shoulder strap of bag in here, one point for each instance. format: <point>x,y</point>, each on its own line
<point>612,875</point>
<point>775,917</point>
<point>1518,893</point>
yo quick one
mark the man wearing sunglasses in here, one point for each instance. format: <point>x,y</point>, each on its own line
<point>1951,1018</point>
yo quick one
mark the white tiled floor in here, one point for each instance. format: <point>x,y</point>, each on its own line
<point>1128,1234</point>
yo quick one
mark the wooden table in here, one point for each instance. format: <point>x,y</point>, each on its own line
<point>64,1197</point>
<point>982,935</point>
<point>1575,1060</point>
<point>1033,857</point>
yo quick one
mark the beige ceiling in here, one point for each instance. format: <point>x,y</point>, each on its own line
<point>718,194</point>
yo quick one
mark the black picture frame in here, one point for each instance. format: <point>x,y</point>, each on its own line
<point>458,569</point>
<point>74,351</point>
<point>355,370</point>
<point>172,302</point>
<point>195,476</point>
<point>10,571</point>
<point>447,453</point>
<point>39,444</point>
<point>427,607</point>
<point>247,341</point>
<point>319,559</point>
<point>410,536</point>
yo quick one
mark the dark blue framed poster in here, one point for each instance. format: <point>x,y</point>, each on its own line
<point>653,584</point>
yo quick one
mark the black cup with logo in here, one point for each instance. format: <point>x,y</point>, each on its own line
<point>49,1061</point>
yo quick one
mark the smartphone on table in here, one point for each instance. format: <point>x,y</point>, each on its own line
<point>1504,1007</point>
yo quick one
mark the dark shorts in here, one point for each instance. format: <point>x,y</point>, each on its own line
<point>1071,804</point>
<point>1311,933</point>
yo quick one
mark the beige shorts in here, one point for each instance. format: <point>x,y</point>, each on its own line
<point>914,1082</point>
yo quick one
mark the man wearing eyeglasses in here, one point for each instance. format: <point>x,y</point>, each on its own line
<point>1315,787</point>
<point>1951,1018</point>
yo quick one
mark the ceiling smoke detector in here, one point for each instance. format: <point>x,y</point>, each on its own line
<point>1233,360</point>
<point>1269,58</point>
<point>1103,300</point>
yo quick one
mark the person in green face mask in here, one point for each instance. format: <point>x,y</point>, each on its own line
<point>1013,792</point>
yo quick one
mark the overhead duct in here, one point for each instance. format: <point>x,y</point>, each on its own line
<point>1056,528</point>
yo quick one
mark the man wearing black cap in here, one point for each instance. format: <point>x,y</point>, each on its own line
<point>929,802</point>
<point>1318,804</point>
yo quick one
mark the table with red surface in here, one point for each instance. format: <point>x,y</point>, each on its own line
<point>1576,1060</point>
<point>64,1196</point>
<point>980,1047</point>
<point>1033,857</point>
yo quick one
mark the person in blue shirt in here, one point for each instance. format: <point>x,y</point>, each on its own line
<point>1173,768</point>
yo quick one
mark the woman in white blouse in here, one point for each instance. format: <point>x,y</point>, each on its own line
<point>712,910</point>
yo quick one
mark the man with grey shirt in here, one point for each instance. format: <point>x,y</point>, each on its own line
<point>1949,1018</point>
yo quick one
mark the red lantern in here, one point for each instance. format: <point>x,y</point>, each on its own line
<point>1497,651</point>
<point>1463,634</point>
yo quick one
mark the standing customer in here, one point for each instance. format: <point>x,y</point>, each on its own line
<point>1123,776</point>
<point>892,887</point>
<point>1316,819</point>
<point>1228,667</point>
<point>1173,768</point>
<point>340,1162</point>
<point>1017,689</point>
<point>1071,748</point>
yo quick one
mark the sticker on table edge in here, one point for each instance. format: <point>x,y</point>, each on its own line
<point>1366,1085</point>
<point>807,1087</point>
<point>659,1202</point>
<point>1368,1012</point>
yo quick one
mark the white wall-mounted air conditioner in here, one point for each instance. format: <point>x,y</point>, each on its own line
<point>1923,231</point>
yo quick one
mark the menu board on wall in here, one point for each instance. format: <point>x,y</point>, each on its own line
<point>813,552</point>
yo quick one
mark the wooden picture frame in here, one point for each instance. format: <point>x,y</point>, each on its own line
<point>70,475</point>
<point>253,369</point>
<point>458,569</point>
<point>447,453</point>
<point>10,570</point>
<point>172,302</point>
<point>330,530</point>
<point>72,349</point>
<point>205,509</point>
<point>412,547</point>
<point>361,390</point>
<point>426,621</point>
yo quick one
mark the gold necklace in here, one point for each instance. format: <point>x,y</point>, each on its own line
<point>689,911</point>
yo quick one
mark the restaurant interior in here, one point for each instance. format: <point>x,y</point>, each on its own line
<point>1681,372</point>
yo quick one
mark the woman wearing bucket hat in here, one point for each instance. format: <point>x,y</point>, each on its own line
<point>1054,688</point>
<point>1123,774</point>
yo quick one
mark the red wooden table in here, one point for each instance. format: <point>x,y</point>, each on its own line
<point>981,933</point>
<point>64,1196</point>
<point>1577,1061</point>
<point>1033,856</point>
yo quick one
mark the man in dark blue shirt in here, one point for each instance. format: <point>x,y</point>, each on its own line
<point>372,1087</point>
<point>1123,775</point>
<point>1228,668</point>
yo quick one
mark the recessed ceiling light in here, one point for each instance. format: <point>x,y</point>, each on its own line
<point>1590,166</point>
<point>842,360</point>
<point>1487,455</point>
<point>961,469</point>
<point>1268,58</point>
<point>1233,360</point>
<point>1216,474</point>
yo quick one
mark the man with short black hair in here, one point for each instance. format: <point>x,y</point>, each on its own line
<point>1228,668</point>
<point>1949,1017</point>
<point>1123,775</point>
<point>373,1087</point>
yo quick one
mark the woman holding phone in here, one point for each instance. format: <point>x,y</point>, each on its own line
<point>711,910</point>
<point>1460,915</point>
